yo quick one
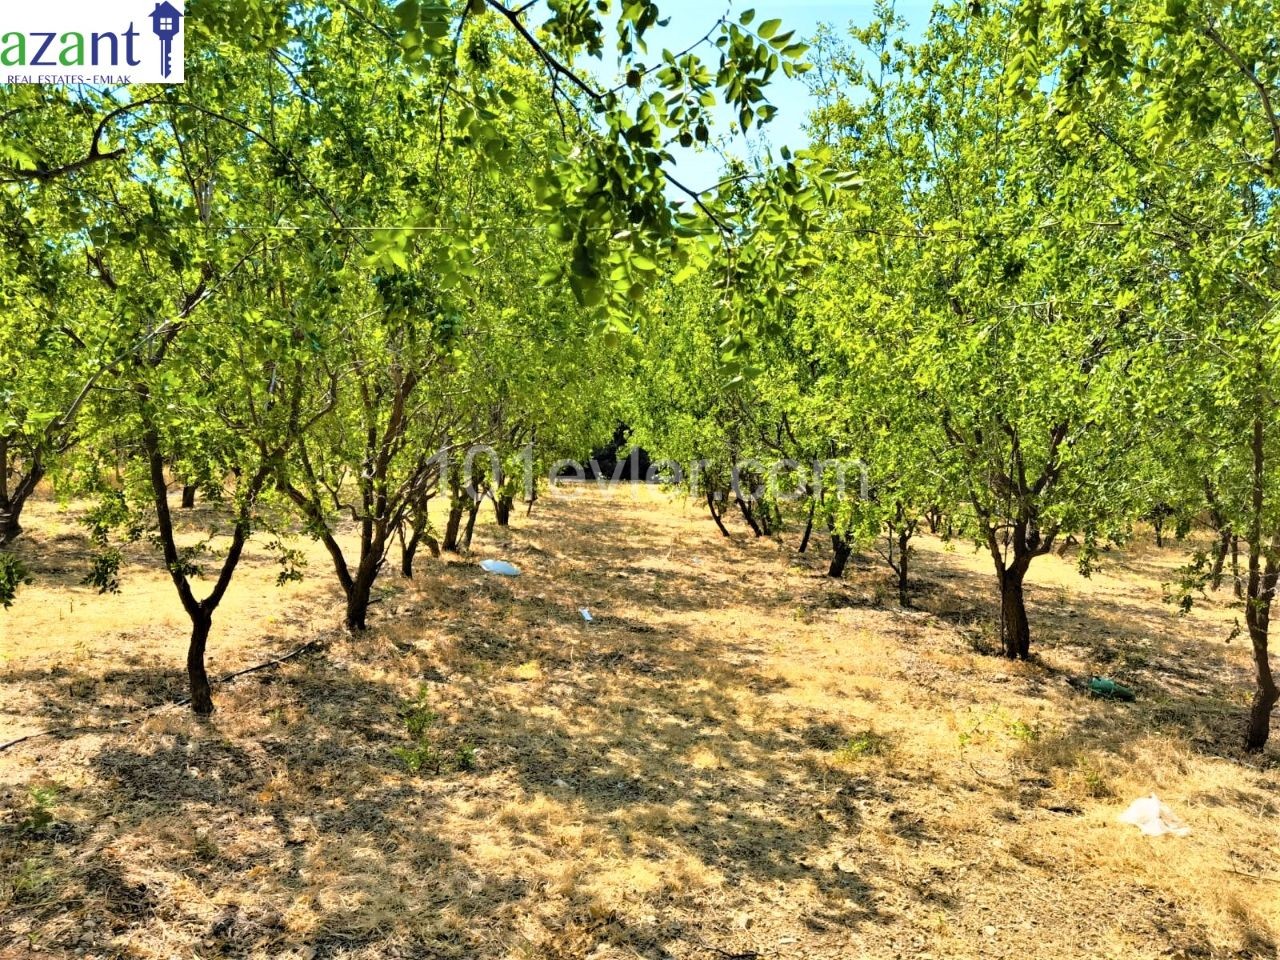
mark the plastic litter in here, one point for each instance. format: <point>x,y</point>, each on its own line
<point>586,615</point>
<point>1153,818</point>
<point>500,567</point>
<point>1108,689</point>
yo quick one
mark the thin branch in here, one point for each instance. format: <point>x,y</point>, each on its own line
<point>95,154</point>
<point>1264,92</point>
<point>513,16</point>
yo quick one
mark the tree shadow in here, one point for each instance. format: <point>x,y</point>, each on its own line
<point>641,780</point>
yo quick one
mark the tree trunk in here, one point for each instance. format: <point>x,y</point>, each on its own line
<point>188,497</point>
<point>765,518</point>
<point>10,529</point>
<point>715,515</point>
<point>11,506</point>
<point>1015,629</point>
<point>200,612</point>
<point>197,678</point>
<point>1264,571</point>
<point>454,524</point>
<point>841,551</point>
<point>358,598</point>
<point>749,516</point>
<point>408,548</point>
<point>1220,550</point>
<point>933,517</point>
<point>1263,574</point>
<point>1158,524</point>
<point>808,527</point>
<point>1235,568</point>
<point>471,525</point>
<point>904,554</point>
<point>502,510</point>
<point>1265,696</point>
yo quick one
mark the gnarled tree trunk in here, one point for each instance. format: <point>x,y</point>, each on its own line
<point>1266,694</point>
<point>453,525</point>
<point>200,612</point>
<point>841,550</point>
<point>900,534</point>
<point>1015,628</point>
<point>502,510</point>
<point>1221,547</point>
<point>749,515</point>
<point>197,676</point>
<point>1260,591</point>
<point>1008,507</point>
<point>12,502</point>
<point>408,549</point>
<point>358,597</point>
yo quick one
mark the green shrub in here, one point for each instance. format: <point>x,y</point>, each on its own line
<point>427,749</point>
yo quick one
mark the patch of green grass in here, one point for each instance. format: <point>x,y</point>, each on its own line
<point>983,727</point>
<point>464,758</point>
<point>868,743</point>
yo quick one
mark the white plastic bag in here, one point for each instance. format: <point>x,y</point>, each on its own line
<point>500,567</point>
<point>1153,818</point>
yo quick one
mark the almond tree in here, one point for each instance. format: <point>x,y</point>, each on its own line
<point>988,268</point>
<point>1210,131</point>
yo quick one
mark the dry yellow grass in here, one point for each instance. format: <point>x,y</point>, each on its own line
<point>740,757</point>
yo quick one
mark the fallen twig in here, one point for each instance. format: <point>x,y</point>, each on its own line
<point>104,728</point>
<point>728,955</point>
<point>254,669</point>
<point>1253,876</point>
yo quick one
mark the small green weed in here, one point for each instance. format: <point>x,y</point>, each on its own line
<point>427,751</point>
<point>39,817</point>
<point>868,743</point>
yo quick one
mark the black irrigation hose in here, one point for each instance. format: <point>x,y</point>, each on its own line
<point>310,644</point>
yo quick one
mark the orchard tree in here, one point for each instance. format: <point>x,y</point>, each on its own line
<point>1210,129</point>
<point>996,273</point>
<point>226,313</point>
<point>56,341</point>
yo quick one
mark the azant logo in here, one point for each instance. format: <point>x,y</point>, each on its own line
<point>92,41</point>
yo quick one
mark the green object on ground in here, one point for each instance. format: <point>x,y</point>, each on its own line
<point>1110,690</point>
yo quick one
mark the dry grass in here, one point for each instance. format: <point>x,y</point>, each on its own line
<point>739,757</point>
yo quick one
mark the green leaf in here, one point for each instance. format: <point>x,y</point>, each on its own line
<point>769,28</point>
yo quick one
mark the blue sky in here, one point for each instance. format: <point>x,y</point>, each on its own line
<point>690,20</point>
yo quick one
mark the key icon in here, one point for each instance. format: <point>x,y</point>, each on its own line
<point>164,24</point>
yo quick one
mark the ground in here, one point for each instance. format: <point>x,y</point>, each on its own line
<point>738,758</point>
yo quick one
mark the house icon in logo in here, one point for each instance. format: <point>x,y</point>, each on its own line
<point>165,25</point>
